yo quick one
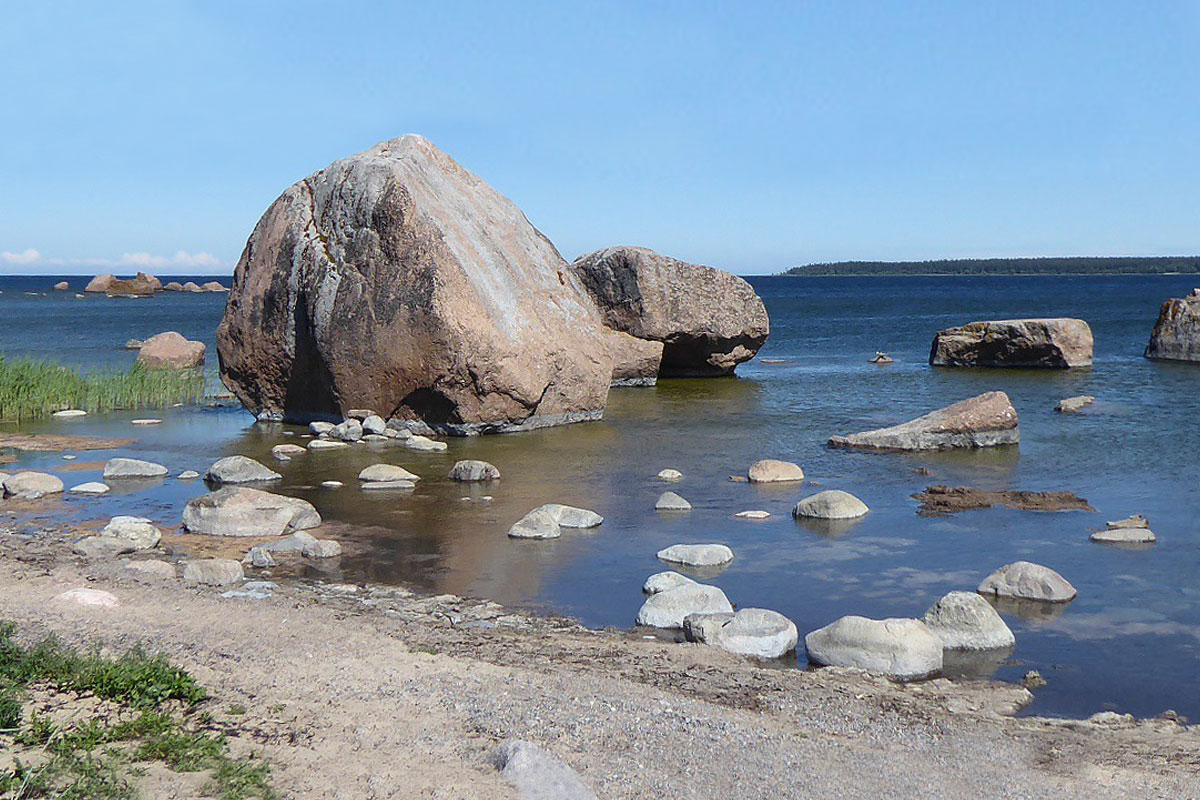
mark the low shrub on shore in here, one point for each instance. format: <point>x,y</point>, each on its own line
<point>31,389</point>
<point>151,715</point>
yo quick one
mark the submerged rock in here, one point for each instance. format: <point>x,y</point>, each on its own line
<point>757,632</point>
<point>396,280</point>
<point>546,521</point>
<point>670,607</point>
<point>1058,343</point>
<point>471,471</point>
<point>1027,581</point>
<point>708,320</point>
<point>91,488</point>
<point>941,499</point>
<point>170,350</point>
<point>987,420</point>
<point>904,649</point>
<point>326,444</point>
<point>1073,405</point>
<point>387,473</point>
<point>239,469</point>
<point>661,581</point>
<point>669,501</point>
<point>1176,335</point>
<point>830,504</point>
<point>132,468</point>
<point>241,511</point>
<point>670,475</point>
<point>965,621</point>
<point>770,470</point>
<point>696,555</point>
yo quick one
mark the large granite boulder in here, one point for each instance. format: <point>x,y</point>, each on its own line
<point>757,632</point>
<point>983,421</point>
<point>142,283</point>
<point>1176,335</point>
<point>170,350</point>
<point>965,621</point>
<point>1047,343</point>
<point>708,320</point>
<point>900,648</point>
<point>398,281</point>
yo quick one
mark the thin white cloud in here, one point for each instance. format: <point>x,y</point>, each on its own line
<point>28,256</point>
<point>182,260</point>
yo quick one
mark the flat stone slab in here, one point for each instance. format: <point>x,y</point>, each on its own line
<point>696,555</point>
<point>987,420</point>
<point>133,468</point>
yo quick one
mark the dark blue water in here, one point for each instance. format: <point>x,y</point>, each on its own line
<point>1130,642</point>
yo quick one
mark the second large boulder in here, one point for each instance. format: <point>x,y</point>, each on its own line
<point>708,320</point>
<point>1043,343</point>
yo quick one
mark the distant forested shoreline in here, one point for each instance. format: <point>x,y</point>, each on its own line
<point>1073,265</point>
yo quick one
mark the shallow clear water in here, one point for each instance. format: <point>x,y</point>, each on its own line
<point>1130,642</point>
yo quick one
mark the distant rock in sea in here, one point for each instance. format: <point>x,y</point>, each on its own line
<point>142,284</point>
<point>398,281</point>
<point>708,320</point>
<point>983,421</point>
<point>1036,343</point>
<point>170,350</point>
<point>1176,335</point>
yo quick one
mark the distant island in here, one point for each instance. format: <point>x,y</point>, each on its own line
<point>1073,265</point>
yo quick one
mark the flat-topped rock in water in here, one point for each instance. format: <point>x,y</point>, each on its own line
<point>546,521</point>
<point>669,501</point>
<point>326,444</point>
<point>661,581</point>
<point>904,649</point>
<point>424,444</point>
<point>1027,581</point>
<point>752,514</point>
<point>170,350</point>
<point>670,607</point>
<point>1176,335</point>
<point>770,470</point>
<point>1059,343</point>
<point>379,473</point>
<point>91,488</point>
<point>830,504</point>
<point>472,471</point>
<point>986,420</point>
<point>398,281</point>
<point>31,485</point>
<point>287,451</point>
<point>132,468</point>
<point>965,621</point>
<point>636,362</point>
<point>756,632</point>
<point>942,499</point>
<point>242,511</point>
<point>708,320</point>
<point>1073,405</point>
<point>239,469</point>
<point>696,555</point>
<point>1131,530</point>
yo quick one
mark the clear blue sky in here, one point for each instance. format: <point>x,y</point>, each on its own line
<point>752,136</point>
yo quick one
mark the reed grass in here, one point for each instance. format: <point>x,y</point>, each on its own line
<point>30,389</point>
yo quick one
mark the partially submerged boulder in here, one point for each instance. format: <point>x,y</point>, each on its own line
<point>132,468</point>
<point>708,320</point>
<point>546,521</point>
<point>239,469</point>
<point>398,281</point>
<point>473,471</point>
<point>142,283</point>
<point>1058,343</point>
<point>1131,530</point>
<point>1073,405</point>
<point>770,470</point>
<point>986,420</point>
<point>669,501</point>
<point>31,485</point>
<point>696,555</point>
<point>1176,335</point>
<point>1026,581</point>
<point>171,350</point>
<point>241,511</point>
<point>757,632</point>
<point>965,621</point>
<point>830,504</point>
<point>904,649</point>
<point>670,607</point>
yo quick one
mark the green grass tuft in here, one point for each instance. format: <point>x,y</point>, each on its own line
<point>30,389</point>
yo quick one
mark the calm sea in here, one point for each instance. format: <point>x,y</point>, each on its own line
<point>1130,642</point>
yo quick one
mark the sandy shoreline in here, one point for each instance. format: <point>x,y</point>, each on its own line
<point>360,692</point>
